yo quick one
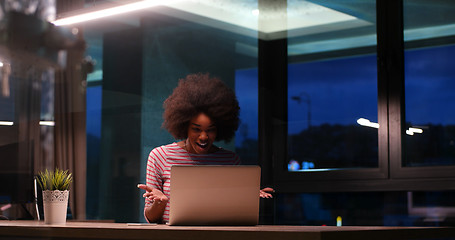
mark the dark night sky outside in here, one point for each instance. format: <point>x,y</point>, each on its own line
<point>430,86</point>
<point>343,90</point>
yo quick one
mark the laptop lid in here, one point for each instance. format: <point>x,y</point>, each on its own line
<point>214,195</point>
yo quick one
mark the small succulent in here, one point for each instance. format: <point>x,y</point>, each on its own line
<point>54,180</point>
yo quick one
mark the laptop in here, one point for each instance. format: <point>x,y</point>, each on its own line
<point>214,195</point>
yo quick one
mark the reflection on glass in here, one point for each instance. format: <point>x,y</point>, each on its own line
<point>25,136</point>
<point>367,208</point>
<point>324,108</point>
<point>367,123</point>
<point>429,85</point>
<point>246,138</point>
<point>139,60</point>
<point>332,83</point>
<point>432,206</point>
<point>429,96</point>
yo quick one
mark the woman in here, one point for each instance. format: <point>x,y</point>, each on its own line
<point>201,110</point>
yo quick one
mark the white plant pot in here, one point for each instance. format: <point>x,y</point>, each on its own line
<point>55,205</point>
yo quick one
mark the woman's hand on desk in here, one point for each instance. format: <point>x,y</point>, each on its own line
<point>266,192</point>
<point>153,194</point>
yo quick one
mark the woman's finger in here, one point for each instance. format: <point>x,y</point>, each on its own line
<point>145,187</point>
<point>263,194</point>
<point>148,194</point>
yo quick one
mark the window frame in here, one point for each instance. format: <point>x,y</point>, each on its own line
<point>390,175</point>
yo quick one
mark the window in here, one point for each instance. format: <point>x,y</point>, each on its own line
<point>409,137</point>
<point>329,101</point>
<point>332,92</point>
<point>429,84</point>
<point>246,138</point>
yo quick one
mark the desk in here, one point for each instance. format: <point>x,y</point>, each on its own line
<point>90,230</point>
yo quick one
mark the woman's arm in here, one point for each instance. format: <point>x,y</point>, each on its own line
<point>154,212</point>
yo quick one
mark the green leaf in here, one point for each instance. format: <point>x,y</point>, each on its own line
<point>54,180</point>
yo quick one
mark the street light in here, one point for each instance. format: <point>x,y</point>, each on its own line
<point>304,97</point>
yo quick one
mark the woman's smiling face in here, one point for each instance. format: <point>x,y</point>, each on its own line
<point>201,135</point>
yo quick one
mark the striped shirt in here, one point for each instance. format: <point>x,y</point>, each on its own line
<point>162,158</point>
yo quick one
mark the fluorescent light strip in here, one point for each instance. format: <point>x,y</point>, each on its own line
<point>412,130</point>
<point>110,12</point>
<point>47,123</point>
<point>415,130</point>
<point>42,123</point>
<point>6,123</point>
<point>367,123</point>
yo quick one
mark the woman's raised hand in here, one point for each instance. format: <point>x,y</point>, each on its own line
<point>153,194</point>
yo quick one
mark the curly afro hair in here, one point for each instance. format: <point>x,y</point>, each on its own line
<point>200,93</point>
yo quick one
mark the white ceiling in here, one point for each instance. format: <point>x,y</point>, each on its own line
<point>276,17</point>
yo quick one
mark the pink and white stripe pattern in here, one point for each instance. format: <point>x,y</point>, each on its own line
<point>162,158</point>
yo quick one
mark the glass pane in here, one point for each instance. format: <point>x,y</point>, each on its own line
<point>26,126</point>
<point>47,122</point>
<point>429,83</point>
<point>27,72</point>
<point>246,138</point>
<point>139,59</point>
<point>93,130</point>
<point>332,88</point>
<point>367,209</point>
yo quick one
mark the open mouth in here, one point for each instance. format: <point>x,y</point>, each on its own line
<point>202,145</point>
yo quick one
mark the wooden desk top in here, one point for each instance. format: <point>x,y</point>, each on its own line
<point>94,230</point>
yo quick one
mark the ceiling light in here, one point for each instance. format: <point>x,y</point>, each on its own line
<point>42,123</point>
<point>6,123</point>
<point>110,12</point>
<point>47,123</point>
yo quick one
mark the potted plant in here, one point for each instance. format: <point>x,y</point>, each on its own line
<point>55,186</point>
